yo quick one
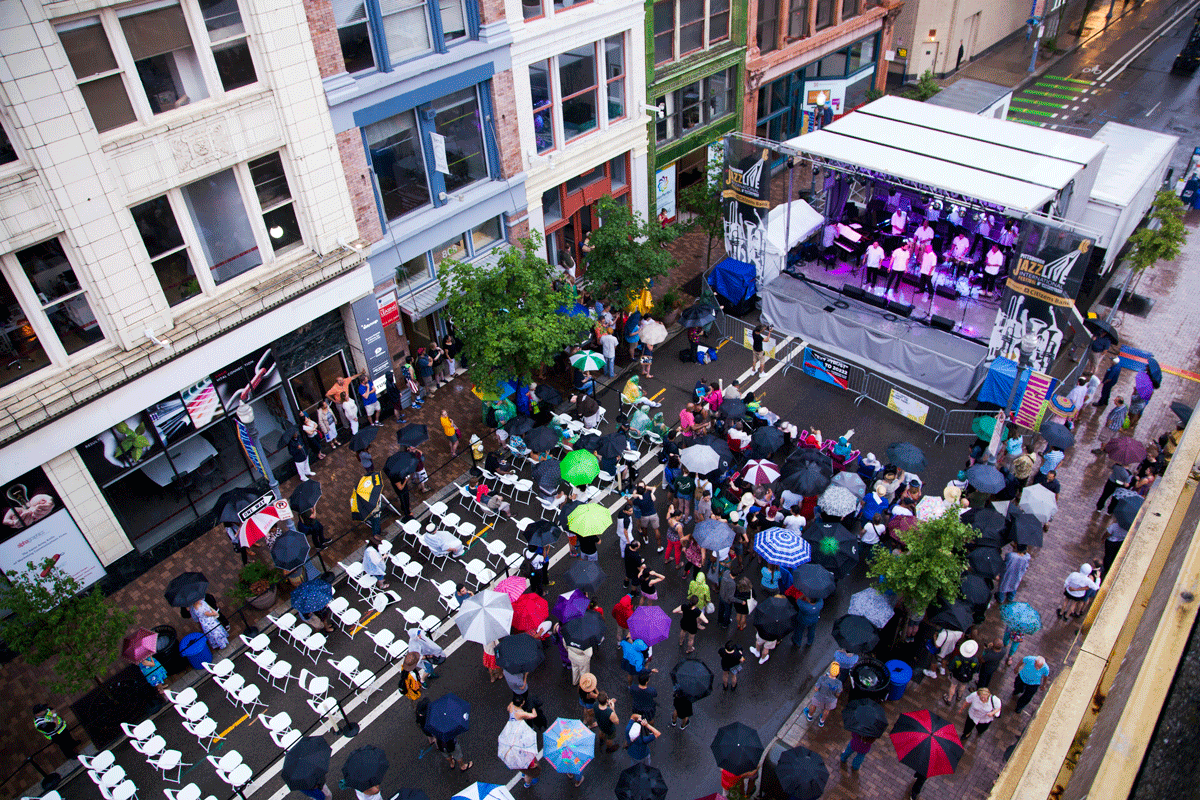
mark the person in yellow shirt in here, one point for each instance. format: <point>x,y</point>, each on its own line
<point>633,394</point>
<point>451,431</point>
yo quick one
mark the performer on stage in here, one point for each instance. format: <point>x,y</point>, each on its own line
<point>991,268</point>
<point>1008,236</point>
<point>960,249</point>
<point>923,234</point>
<point>899,221</point>
<point>900,257</point>
<point>929,262</point>
<point>873,261</point>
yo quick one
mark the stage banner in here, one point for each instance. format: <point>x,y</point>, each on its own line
<point>746,193</point>
<point>826,368</point>
<point>1029,412</point>
<point>1045,270</point>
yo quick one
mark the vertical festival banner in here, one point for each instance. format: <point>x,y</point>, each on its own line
<point>746,189</point>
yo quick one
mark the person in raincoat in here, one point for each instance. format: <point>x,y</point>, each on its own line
<point>634,396</point>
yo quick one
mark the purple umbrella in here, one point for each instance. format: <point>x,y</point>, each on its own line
<point>650,624</point>
<point>570,605</point>
<point>1143,385</point>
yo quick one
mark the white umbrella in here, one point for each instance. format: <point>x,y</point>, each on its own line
<point>853,482</point>
<point>1039,501</point>
<point>700,458</point>
<point>761,472</point>
<point>653,332</point>
<point>871,604</point>
<point>485,617</point>
<point>930,507</point>
<point>517,745</point>
<point>838,501</point>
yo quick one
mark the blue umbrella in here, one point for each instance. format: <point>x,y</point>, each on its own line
<point>1155,371</point>
<point>568,746</point>
<point>634,323</point>
<point>449,717</point>
<point>311,596</point>
<point>1021,617</point>
<point>713,534</point>
<point>484,791</point>
<point>782,547</point>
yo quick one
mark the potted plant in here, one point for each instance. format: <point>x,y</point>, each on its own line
<point>257,583</point>
<point>672,307</point>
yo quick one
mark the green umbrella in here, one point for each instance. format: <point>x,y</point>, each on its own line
<point>983,427</point>
<point>579,467</point>
<point>590,519</point>
<point>587,361</point>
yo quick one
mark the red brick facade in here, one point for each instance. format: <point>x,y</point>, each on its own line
<point>506,123</point>
<point>322,26</point>
<point>358,179</point>
<point>491,10</point>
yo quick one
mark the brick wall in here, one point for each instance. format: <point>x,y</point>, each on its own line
<point>358,180</point>
<point>491,10</point>
<point>323,28</point>
<point>506,123</point>
<point>518,227</point>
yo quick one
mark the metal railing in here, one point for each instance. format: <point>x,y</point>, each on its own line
<point>856,376</point>
<point>900,399</point>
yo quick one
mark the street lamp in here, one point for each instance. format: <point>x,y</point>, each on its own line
<point>1028,346</point>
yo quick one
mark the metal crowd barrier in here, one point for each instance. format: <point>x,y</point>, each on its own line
<point>894,397</point>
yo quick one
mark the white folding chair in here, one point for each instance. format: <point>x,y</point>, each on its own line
<point>205,731</point>
<point>50,795</point>
<point>241,693</point>
<point>465,497</point>
<point>351,675</point>
<point>654,439</point>
<point>281,730</point>
<point>256,644</point>
<point>352,569</point>
<point>366,585</point>
<point>347,617</point>
<point>382,600</point>
<point>151,747</point>
<point>238,777</point>
<point>314,646</point>
<point>412,532</point>
<point>524,487</point>
<point>496,550</point>
<point>446,590</point>
<point>381,639</point>
<point>549,510</point>
<point>449,521</point>
<point>121,791</point>
<point>142,731</point>
<point>430,622</point>
<point>194,712</point>
<point>110,777</point>
<point>436,559</point>
<point>437,510</point>
<point>280,671</point>
<point>221,669</point>
<point>478,572</point>
<point>104,760</point>
<point>315,685</point>
<point>322,706</point>
<point>385,547</point>
<point>189,792</point>
<point>184,697</point>
<point>286,624</point>
<point>466,532</point>
<point>169,760</point>
<point>263,660</point>
<point>227,762</point>
<point>412,616</point>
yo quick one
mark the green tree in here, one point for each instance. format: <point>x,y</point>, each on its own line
<point>703,201</point>
<point>507,315</point>
<point>932,566</point>
<point>53,617</point>
<point>627,253</point>
<point>926,87</point>
<point>1160,240</point>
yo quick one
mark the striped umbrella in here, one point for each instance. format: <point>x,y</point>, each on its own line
<point>258,526</point>
<point>781,547</point>
<point>761,472</point>
<point>587,361</point>
<point>926,743</point>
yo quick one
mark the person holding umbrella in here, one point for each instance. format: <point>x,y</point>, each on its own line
<point>857,747</point>
<point>825,697</point>
<point>310,526</point>
<point>518,712</point>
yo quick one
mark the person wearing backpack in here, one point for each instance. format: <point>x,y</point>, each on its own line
<point>982,709</point>
<point>963,666</point>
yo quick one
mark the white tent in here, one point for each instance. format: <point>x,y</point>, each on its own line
<point>784,234</point>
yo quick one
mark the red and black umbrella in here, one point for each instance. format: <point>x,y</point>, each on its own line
<point>926,743</point>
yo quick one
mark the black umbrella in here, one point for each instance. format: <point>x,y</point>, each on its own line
<point>985,478</point>
<point>721,446</point>
<point>548,474</point>
<point>519,653</point>
<point>399,465</point>
<point>1026,529</point>
<point>1125,511</point>
<point>541,439</point>
<point>813,580</point>
<point>306,764</point>
<point>833,547</point>
<point>810,478</point>
<point>992,539</point>
<point>855,634</point>
<point>774,617</point>
<point>542,533</point>
<point>233,501</point>
<point>449,717</point>
<point>1154,370</point>
<point>737,748</point>
<point>519,425</point>
<point>584,631</point>
<point>698,316</point>
<point>956,616</point>
<point>865,717</point>
<point>766,440</point>
<point>290,550</point>
<point>586,576</point>
<point>547,394</point>
<point>365,768</point>
<point>692,677</point>
<point>906,456</point>
<point>986,520</point>
<point>804,455</point>
<point>1099,326</point>
<point>733,408</point>
<point>1057,435</point>
<point>802,773</point>
<point>985,562</point>
<point>975,590</point>
<point>588,441</point>
<point>641,782</point>
<point>412,435</point>
<point>185,589</point>
<point>612,446</point>
<point>363,439</point>
<point>1181,410</point>
<point>305,496</point>
<point>286,434</point>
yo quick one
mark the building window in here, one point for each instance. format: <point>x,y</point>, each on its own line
<point>354,34</point>
<point>664,31</point>
<point>862,54</point>
<point>696,105</point>
<point>825,14</point>
<point>614,71</point>
<point>798,19</point>
<point>832,65</point>
<point>562,5</point>
<point>8,153</point>
<point>768,25</point>
<point>543,115</point>
<point>686,26</point>
<point>61,311</point>
<point>531,9</point>
<point>577,77</point>
<point>718,20</point>
<point>275,202</point>
<point>405,29</point>
<point>573,76</point>
<point>423,269</point>
<point>153,46</point>
<point>168,252</point>
<point>22,350</point>
<point>849,9</point>
<point>399,163</point>
<point>565,232</point>
<point>457,120</point>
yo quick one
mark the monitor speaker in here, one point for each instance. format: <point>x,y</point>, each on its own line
<point>876,300</point>
<point>950,292</point>
<point>899,309</point>
<point>941,323</point>
<point>854,292</point>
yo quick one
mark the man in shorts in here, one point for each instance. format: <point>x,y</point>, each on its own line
<point>366,393</point>
<point>825,698</point>
<point>643,501</point>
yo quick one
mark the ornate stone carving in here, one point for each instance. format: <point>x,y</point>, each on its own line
<point>197,148</point>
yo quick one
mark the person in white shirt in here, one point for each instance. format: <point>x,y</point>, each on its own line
<point>350,409</point>
<point>1076,589</point>
<point>955,215</point>
<point>1093,389</point>
<point>900,258</point>
<point>924,233</point>
<point>929,262</point>
<point>1008,236</point>
<point>960,247</point>
<point>873,260</point>
<point>1078,396</point>
<point>982,709</point>
<point>608,348</point>
<point>899,220</point>
<point>794,521</point>
<point>373,563</point>
<point>991,268</point>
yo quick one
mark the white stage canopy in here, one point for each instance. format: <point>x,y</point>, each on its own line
<point>783,235</point>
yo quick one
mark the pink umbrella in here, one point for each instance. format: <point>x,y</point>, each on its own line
<point>650,624</point>
<point>1143,385</point>
<point>514,587</point>
<point>930,507</point>
<point>139,644</point>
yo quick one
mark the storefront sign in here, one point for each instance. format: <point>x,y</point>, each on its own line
<point>122,447</point>
<point>38,527</point>
<point>826,368</point>
<point>664,185</point>
<point>371,336</point>
<point>907,406</point>
<point>389,309</point>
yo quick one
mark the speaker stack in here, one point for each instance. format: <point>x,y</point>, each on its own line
<point>941,323</point>
<point>899,309</point>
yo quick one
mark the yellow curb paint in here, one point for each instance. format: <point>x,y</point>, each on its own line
<point>659,392</point>
<point>225,732</point>
<point>364,623</point>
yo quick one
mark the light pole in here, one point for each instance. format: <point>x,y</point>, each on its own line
<point>1029,343</point>
<point>249,436</point>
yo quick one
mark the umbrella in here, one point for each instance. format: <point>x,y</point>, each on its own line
<point>290,549</point>
<point>305,496</point>
<point>698,316</point>
<point>833,547</point>
<point>987,520</point>
<point>363,439</point>
<point>782,547</point>
<point>984,427</point>
<point>653,332</point>
<point>774,617</point>
<point>589,519</point>
<point>564,513</point>
<point>700,458</point>
<point>1154,370</point>
<point>900,523</point>
<point>1057,435</point>
<point>547,474</point>
<point>311,596</point>
<point>926,743</point>
<point>514,586</point>
<point>813,580</point>
<point>542,533</point>
<point>588,441</point>
<point>584,631</point>
<point>955,617</point>
<point>650,624</point>
<point>985,478</point>
<point>1026,529</point>
<point>720,446</point>
<point>1181,410</point>
<point>587,361</point>
<point>766,440</point>
<point>733,408</point>
<point>737,748</point>
<point>519,425</point>
<point>448,717</point>
<point>585,576</point>
<point>633,323</point>
<point>484,791</point>
<point>808,478</point>
<point>230,503</point>
<point>185,589</point>
<point>568,745</point>
<point>412,435</point>
<point>872,605</point>
<point>1099,326</point>
<point>1124,450</point>
<point>416,794</point>
<point>930,507</point>
<point>541,439</point>
<point>613,445</point>
<point>975,590</point>
<point>139,644</point>
<point>641,782</point>
<point>570,605</point>
<point>547,394</point>
<point>713,534</point>
<point>306,763</point>
<point>1126,510</point>
<point>855,634</point>
<point>761,472</point>
<point>803,455</point>
<point>258,526</point>
<point>865,717</point>
<point>400,465</point>
<point>519,653</point>
<point>1143,386</point>
<point>906,456</point>
<point>985,562</point>
<point>1040,502</point>
<point>802,773</point>
<point>485,617</point>
<point>579,467</point>
<point>692,677</point>
<point>851,482</point>
<point>529,611</point>
<point>517,744</point>
<point>365,767</point>
<point>838,501</point>
<point>1021,617</point>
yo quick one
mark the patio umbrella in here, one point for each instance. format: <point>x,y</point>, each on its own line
<point>542,533</point>
<point>838,501</point>
<point>851,482</point>
<point>1026,529</point>
<point>802,773</point>
<point>516,745</point>
<point>364,438</point>
<point>641,782</point>
<point>1143,386</point>
<point>1154,370</point>
<point>584,631</point>
<point>766,440</point>
<point>400,465</point>
<point>519,653</point>
<point>855,634</point>
<point>872,605</point>
<point>782,547</point>
<point>1039,501</point>
<point>1099,326</point>
<point>448,717</point>
<point>814,581</point>
<point>1181,410</point>
<point>613,445</point>
<point>138,645</point>
<point>1021,617</point>
<point>306,763</point>
<point>568,745</point>
<point>589,519</point>
<point>1124,450</point>
<point>258,526</point>
<point>1057,435</point>
<point>906,456</point>
<point>484,791</point>
<point>548,474</point>
<point>230,503</point>
<point>733,408</point>
<point>585,576</point>
<point>986,520</point>
<point>570,605</point>
<point>761,472</point>
<point>926,743</point>
<point>975,590</point>
<point>985,478</point>
<point>929,507</point>
<point>700,458</point>
<point>808,478</point>
<point>983,427</point>
<point>650,624</point>
<point>832,546</point>
<point>713,534</point>
<point>290,550</point>
<point>484,617</point>
<point>737,748</point>
<point>588,441</point>
<point>865,717</point>
<point>579,467</point>
<point>692,677</point>
<point>185,589</point>
<point>955,617</point>
<point>514,586</point>
<point>541,439</point>
<point>698,316</point>
<point>311,596</point>
<point>587,361</point>
<point>412,435</point>
<point>774,617</point>
<point>529,611</point>
<point>548,395</point>
<point>1126,510</point>
<point>653,332</point>
<point>305,496</point>
<point>365,768</point>
<point>985,562</point>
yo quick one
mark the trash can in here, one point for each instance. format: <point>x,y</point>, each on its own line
<point>167,650</point>
<point>194,648</point>
<point>869,678</point>
<point>901,673</point>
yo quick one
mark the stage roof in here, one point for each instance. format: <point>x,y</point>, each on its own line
<point>1133,154</point>
<point>969,94</point>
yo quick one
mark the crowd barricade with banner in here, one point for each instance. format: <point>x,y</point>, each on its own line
<point>892,396</point>
<point>828,368</point>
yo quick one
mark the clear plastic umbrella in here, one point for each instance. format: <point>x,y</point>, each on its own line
<point>838,501</point>
<point>653,332</point>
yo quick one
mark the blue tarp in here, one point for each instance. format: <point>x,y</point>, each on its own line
<point>733,280</point>
<point>998,382</point>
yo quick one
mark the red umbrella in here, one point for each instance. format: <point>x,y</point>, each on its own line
<point>623,610</point>
<point>529,611</point>
<point>139,644</point>
<point>258,526</point>
<point>898,524</point>
<point>926,743</point>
